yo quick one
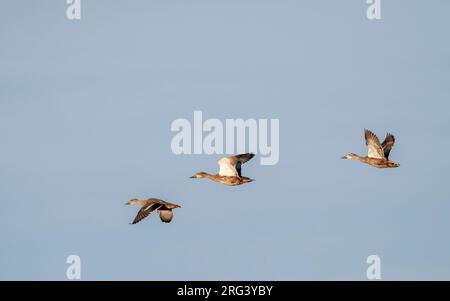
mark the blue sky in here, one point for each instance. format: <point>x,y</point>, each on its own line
<point>85,114</point>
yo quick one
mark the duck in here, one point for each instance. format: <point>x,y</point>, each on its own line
<point>163,208</point>
<point>229,171</point>
<point>377,153</point>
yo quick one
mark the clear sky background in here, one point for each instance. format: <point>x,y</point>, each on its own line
<point>85,114</point>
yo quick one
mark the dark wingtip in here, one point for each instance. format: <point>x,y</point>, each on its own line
<point>246,156</point>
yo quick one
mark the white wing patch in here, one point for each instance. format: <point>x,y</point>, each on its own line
<point>227,168</point>
<point>374,148</point>
<point>374,151</point>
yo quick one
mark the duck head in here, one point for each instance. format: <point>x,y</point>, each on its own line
<point>350,156</point>
<point>199,175</point>
<point>132,202</point>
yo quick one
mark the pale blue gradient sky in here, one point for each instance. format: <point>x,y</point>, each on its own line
<point>85,113</point>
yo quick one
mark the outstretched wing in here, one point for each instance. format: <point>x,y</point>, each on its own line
<point>231,166</point>
<point>374,148</point>
<point>387,144</point>
<point>145,211</point>
<point>242,158</point>
<point>227,168</point>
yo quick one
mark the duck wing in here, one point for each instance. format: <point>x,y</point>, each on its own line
<point>374,148</point>
<point>388,144</point>
<point>163,204</point>
<point>231,166</point>
<point>145,211</point>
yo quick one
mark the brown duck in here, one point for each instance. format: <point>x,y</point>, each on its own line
<point>229,172</point>
<point>378,153</point>
<point>148,206</point>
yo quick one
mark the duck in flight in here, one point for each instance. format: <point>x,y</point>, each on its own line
<point>378,153</point>
<point>229,172</point>
<point>163,208</point>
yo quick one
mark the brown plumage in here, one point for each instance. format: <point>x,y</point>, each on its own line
<point>230,171</point>
<point>387,145</point>
<point>377,153</point>
<point>163,208</point>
